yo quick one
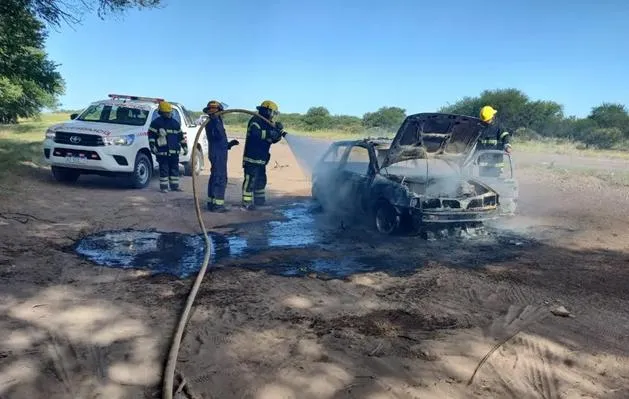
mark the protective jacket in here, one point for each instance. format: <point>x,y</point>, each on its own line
<point>260,136</point>
<point>216,135</point>
<point>166,137</point>
<point>494,137</point>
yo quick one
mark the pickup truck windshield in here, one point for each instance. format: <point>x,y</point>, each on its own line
<point>115,114</point>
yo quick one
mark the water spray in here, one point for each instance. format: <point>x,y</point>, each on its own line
<point>171,362</point>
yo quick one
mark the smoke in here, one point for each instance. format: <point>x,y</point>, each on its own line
<point>307,151</point>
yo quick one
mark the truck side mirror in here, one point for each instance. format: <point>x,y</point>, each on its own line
<point>73,116</point>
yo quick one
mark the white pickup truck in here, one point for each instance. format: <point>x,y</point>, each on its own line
<point>110,138</point>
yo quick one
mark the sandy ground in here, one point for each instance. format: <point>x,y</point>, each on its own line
<point>72,329</point>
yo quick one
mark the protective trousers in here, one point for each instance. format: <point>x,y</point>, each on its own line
<point>218,177</point>
<point>168,171</point>
<point>254,184</point>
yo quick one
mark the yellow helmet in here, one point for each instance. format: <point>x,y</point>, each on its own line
<point>487,113</point>
<point>270,105</point>
<point>165,106</point>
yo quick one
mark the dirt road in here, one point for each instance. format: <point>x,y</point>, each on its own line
<point>271,320</point>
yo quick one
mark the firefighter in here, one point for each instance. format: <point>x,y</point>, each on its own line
<point>260,136</point>
<point>218,145</point>
<point>165,139</point>
<point>494,137</point>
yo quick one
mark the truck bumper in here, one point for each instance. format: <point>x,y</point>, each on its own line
<point>116,159</point>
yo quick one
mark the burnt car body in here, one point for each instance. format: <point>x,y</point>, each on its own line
<point>505,184</point>
<point>413,180</point>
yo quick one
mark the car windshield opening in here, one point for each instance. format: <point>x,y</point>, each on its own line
<point>422,168</point>
<point>120,114</point>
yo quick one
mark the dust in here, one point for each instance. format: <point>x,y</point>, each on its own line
<point>307,151</point>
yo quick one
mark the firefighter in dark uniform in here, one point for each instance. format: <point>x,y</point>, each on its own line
<point>218,146</point>
<point>494,137</point>
<point>260,136</point>
<point>165,139</point>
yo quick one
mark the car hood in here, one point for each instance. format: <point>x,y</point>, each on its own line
<point>98,128</point>
<point>426,135</point>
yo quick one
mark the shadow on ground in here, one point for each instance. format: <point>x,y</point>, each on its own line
<point>73,329</point>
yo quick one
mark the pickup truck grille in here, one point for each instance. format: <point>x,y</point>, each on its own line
<point>79,139</point>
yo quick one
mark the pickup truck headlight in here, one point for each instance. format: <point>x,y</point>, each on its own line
<point>50,134</point>
<point>120,140</point>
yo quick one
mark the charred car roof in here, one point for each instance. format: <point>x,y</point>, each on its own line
<point>442,135</point>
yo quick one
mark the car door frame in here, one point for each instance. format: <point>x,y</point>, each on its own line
<point>359,183</point>
<point>331,175</point>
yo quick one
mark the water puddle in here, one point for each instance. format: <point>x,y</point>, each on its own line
<point>303,243</point>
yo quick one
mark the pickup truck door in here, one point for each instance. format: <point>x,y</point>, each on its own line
<point>190,130</point>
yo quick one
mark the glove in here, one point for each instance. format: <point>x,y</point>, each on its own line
<point>185,151</point>
<point>508,148</point>
<point>275,135</point>
<point>279,126</point>
<point>284,133</point>
<point>232,143</point>
<point>154,150</point>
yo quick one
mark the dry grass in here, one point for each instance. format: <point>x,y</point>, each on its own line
<point>550,146</point>
<point>22,143</point>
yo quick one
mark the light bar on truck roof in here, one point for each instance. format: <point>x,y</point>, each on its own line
<point>128,97</point>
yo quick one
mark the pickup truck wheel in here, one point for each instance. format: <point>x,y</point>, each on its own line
<point>387,219</point>
<point>142,172</point>
<point>187,167</point>
<point>65,175</point>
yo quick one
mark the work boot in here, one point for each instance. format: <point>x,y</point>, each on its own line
<point>247,207</point>
<point>176,189</point>
<point>210,206</point>
<point>164,189</point>
<point>219,209</point>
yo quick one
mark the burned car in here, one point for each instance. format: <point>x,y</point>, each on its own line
<point>414,180</point>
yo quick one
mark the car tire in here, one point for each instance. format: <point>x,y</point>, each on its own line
<point>386,218</point>
<point>316,200</point>
<point>65,175</point>
<point>142,171</point>
<point>187,166</point>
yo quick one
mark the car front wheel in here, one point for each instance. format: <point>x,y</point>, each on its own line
<point>387,219</point>
<point>198,164</point>
<point>142,171</point>
<point>65,175</point>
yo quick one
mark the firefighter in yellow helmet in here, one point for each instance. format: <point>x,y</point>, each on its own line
<point>165,140</point>
<point>260,136</point>
<point>494,137</point>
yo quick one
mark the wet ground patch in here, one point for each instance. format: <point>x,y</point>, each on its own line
<point>302,243</point>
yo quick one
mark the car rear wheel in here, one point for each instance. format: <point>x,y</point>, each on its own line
<point>65,175</point>
<point>142,171</point>
<point>387,219</point>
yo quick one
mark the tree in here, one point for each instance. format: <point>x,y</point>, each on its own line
<point>28,80</point>
<point>603,138</point>
<point>55,11</point>
<point>388,118</point>
<point>609,115</point>
<point>515,111</point>
<point>317,118</point>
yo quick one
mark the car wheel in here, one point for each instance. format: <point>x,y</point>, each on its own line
<point>65,175</point>
<point>316,200</point>
<point>142,171</point>
<point>187,167</point>
<point>387,219</point>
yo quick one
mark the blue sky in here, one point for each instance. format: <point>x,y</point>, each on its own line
<point>350,56</point>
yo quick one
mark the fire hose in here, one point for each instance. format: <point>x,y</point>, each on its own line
<point>171,363</point>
